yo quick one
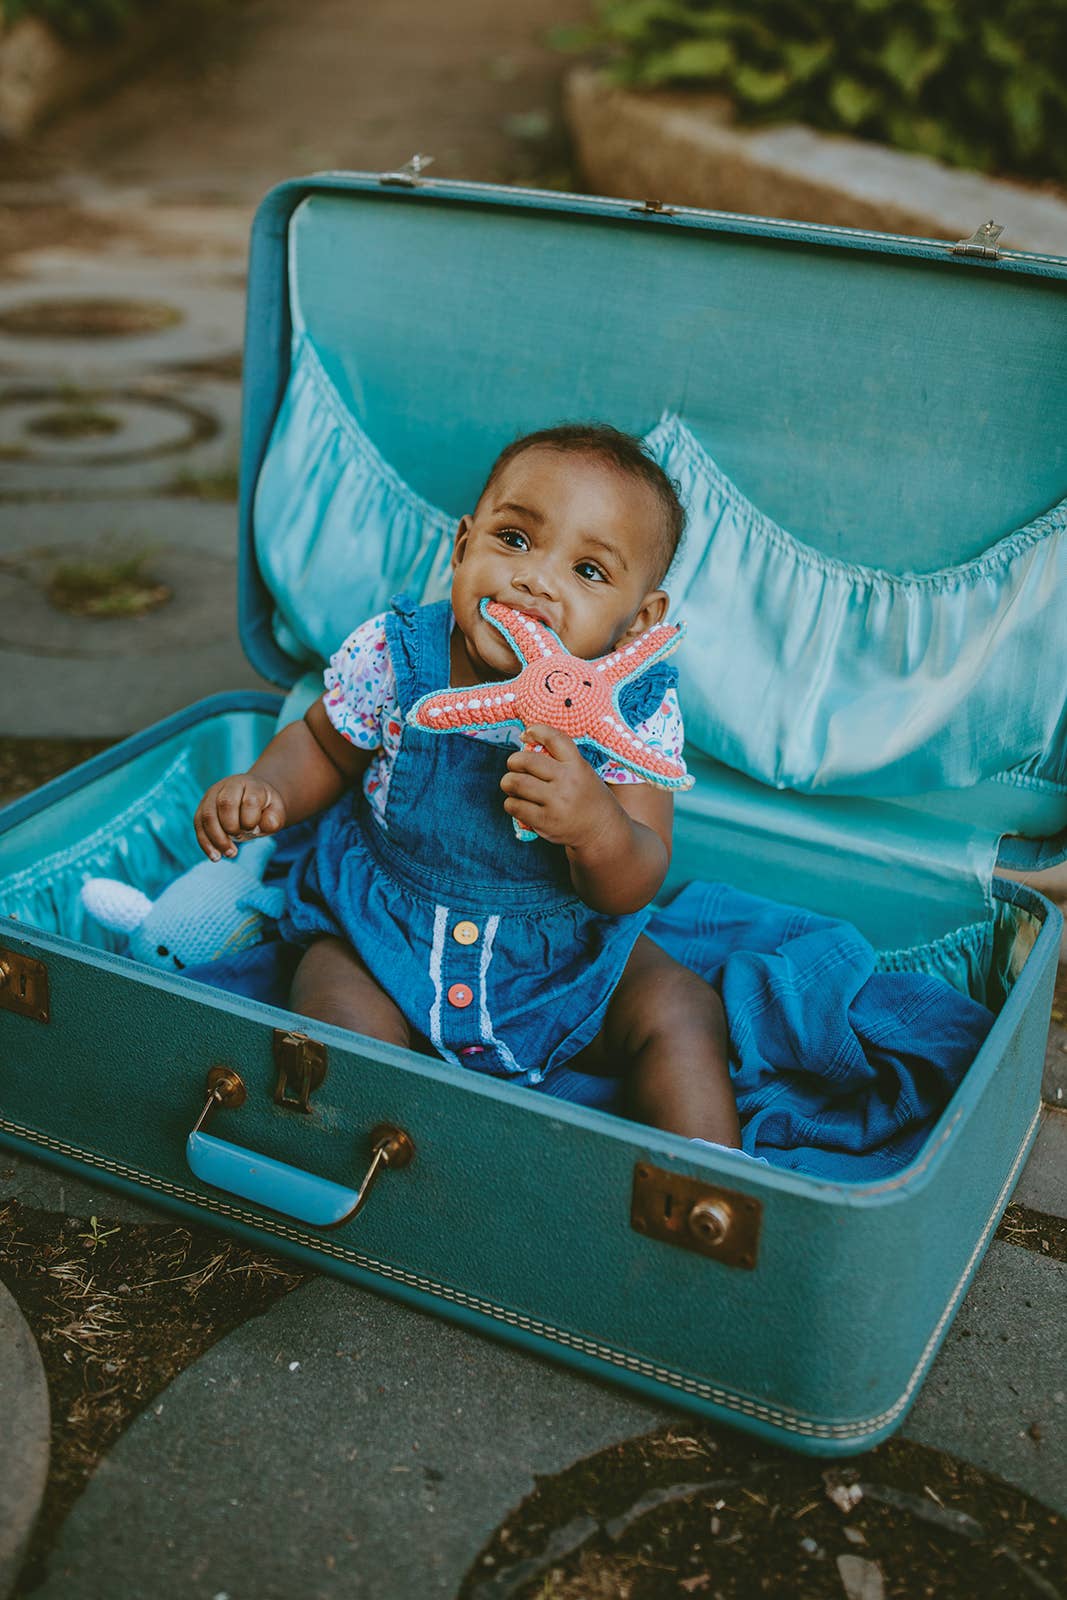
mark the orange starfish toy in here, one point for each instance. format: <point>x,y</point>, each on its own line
<point>580,698</point>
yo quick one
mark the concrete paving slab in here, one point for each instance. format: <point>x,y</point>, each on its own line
<point>997,1393</point>
<point>45,1188</point>
<point>25,1432</point>
<point>165,217</point>
<point>129,671</point>
<point>341,1445</point>
<point>1043,1184</point>
<point>1054,1079</point>
<point>286,1460</point>
<point>140,436</point>
<point>204,301</point>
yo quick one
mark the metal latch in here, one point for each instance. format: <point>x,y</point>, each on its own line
<point>301,1064</point>
<point>716,1222</point>
<point>982,243</point>
<point>407,176</point>
<point>23,986</point>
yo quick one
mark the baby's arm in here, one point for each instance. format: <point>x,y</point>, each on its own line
<point>303,769</point>
<point>617,836</point>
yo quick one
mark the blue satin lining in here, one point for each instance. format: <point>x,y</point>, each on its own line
<point>337,532</point>
<point>135,823</point>
<point>801,670</point>
<point>814,674</point>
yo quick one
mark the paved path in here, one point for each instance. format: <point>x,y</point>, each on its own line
<point>379,1462</point>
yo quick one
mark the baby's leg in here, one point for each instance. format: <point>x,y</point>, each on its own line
<point>332,984</point>
<point>666,1029</point>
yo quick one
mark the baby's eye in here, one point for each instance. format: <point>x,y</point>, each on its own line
<point>590,570</point>
<point>514,538</point>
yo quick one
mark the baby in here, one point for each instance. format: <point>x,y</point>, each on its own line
<point>427,923</point>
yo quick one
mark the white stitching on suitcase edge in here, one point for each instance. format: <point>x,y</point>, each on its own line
<point>611,205</point>
<point>786,1420</point>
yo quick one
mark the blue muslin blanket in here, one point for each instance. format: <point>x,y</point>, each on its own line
<point>840,1071</point>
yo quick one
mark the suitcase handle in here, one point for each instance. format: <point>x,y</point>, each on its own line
<point>274,1184</point>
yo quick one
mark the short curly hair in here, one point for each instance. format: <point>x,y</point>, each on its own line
<point>622,451</point>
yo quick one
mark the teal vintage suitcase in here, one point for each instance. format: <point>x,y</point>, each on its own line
<point>875,699</point>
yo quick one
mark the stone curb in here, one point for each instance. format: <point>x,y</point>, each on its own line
<point>24,1457</point>
<point>680,148</point>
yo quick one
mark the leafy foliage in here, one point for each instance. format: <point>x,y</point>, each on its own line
<point>982,84</point>
<point>94,21</point>
<point>79,21</point>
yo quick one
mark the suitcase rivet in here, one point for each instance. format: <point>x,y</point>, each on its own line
<point>692,1214</point>
<point>710,1220</point>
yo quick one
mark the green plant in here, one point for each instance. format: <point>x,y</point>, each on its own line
<point>97,21</point>
<point>979,85</point>
<point>117,586</point>
<point>96,1235</point>
<point>80,21</point>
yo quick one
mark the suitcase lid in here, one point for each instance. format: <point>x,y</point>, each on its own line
<point>869,428</point>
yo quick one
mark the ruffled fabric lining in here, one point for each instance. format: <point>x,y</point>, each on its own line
<point>815,674</point>
<point>147,844</point>
<point>801,670</point>
<point>962,958</point>
<point>337,532</point>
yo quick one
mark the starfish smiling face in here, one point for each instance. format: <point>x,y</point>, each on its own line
<point>563,536</point>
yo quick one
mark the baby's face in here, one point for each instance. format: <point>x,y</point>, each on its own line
<point>562,537</point>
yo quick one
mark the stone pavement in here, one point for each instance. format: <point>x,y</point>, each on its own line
<point>340,1444</point>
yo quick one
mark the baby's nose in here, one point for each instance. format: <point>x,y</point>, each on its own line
<point>539,581</point>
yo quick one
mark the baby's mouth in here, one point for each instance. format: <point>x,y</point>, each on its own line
<point>535,616</point>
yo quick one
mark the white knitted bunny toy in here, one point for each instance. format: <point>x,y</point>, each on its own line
<point>213,910</point>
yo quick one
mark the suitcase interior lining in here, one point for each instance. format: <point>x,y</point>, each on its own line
<point>957,661</point>
<point>134,823</point>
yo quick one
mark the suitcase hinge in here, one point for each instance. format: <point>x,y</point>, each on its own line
<point>407,176</point>
<point>716,1222</point>
<point>24,986</point>
<point>301,1064</point>
<point>982,243</point>
<point>652,208</point>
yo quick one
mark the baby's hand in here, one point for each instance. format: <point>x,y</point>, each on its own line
<point>240,807</point>
<point>555,791</point>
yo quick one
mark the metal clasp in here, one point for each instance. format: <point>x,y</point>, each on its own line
<point>24,986</point>
<point>301,1064</point>
<point>407,176</point>
<point>982,243</point>
<point>716,1222</point>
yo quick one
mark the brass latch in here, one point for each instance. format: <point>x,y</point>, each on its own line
<point>23,986</point>
<point>716,1222</point>
<point>652,208</point>
<point>981,243</point>
<point>301,1064</point>
<point>409,175</point>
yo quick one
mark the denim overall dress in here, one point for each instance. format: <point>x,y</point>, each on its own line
<point>479,938</point>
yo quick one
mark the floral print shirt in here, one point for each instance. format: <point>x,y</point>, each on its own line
<point>361,702</point>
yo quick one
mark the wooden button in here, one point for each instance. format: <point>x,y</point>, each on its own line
<point>465,932</point>
<point>459,996</point>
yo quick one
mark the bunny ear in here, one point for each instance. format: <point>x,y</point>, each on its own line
<point>117,905</point>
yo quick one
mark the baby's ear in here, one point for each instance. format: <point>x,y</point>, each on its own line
<point>459,544</point>
<point>653,609</point>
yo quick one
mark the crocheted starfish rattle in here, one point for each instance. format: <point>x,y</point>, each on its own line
<point>580,698</point>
